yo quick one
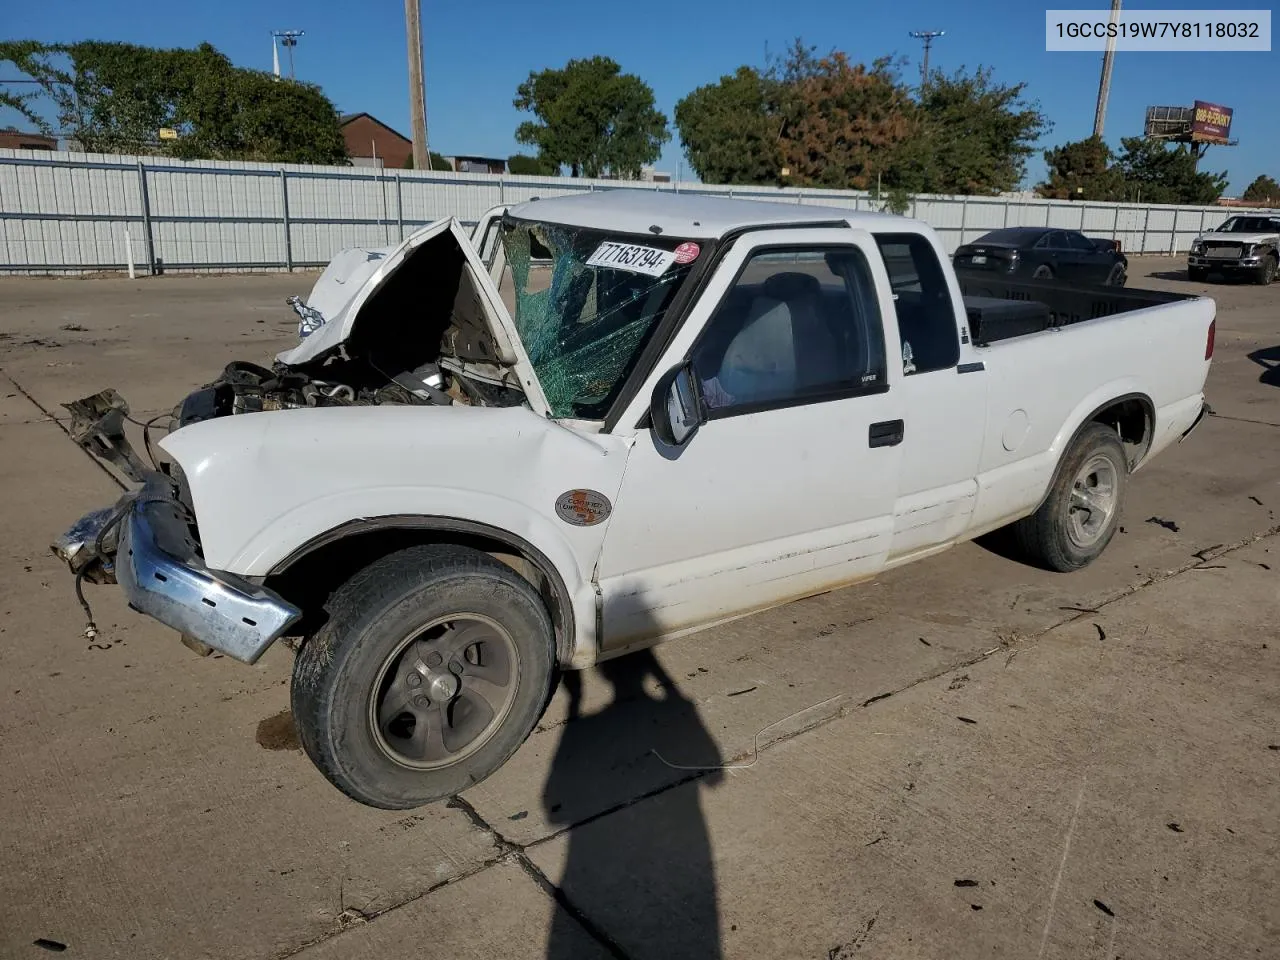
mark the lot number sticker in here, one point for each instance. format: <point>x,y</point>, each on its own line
<point>632,258</point>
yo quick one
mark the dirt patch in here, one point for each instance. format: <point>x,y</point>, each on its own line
<point>278,733</point>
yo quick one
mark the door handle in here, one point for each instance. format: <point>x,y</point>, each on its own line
<point>887,433</point>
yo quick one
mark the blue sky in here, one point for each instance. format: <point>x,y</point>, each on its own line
<point>476,53</point>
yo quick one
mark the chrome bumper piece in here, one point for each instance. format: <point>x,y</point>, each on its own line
<point>157,565</point>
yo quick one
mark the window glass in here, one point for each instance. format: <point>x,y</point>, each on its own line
<point>1078,241</point>
<point>797,325</point>
<point>922,299</point>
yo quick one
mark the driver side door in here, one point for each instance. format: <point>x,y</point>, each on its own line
<point>786,485</point>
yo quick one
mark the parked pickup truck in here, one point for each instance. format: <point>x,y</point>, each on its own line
<point>649,414</point>
<point>1242,246</point>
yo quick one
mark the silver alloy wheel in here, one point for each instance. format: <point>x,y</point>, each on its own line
<point>444,691</point>
<point>1094,498</point>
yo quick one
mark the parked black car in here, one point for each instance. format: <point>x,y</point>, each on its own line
<point>1046,253</point>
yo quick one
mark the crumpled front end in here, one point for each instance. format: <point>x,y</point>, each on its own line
<point>148,543</point>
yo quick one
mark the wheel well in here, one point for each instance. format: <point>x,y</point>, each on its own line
<point>1133,421</point>
<point>313,573</point>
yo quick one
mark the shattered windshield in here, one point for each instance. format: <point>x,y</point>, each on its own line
<point>585,303</point>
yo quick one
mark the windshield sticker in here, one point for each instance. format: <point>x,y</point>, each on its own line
<point>632,258</point>
<point>687,252</point>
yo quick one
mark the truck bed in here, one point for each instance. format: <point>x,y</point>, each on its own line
<point>1000,308</point>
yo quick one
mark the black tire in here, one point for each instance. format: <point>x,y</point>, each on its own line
<point>1042,272</point>
<point>344,672</point>
<point>1197,274</point>
<point>1267,272</point>
<point>1049,536</point>
<point>1117,277</point>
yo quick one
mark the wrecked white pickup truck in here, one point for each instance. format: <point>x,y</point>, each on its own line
<point>646,415</point>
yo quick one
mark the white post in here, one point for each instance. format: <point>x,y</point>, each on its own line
<point>128,253</point>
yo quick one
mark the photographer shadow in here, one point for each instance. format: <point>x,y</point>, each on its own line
<point>638,872</point>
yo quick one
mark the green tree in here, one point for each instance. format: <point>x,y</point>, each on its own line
<point>842,123</point>
<point>521,164</point>
<point>592,117</point>
<point>1082,170</point>
<point>1156,172</point>
<point>1263,190</point>
<point>730,130</point>
<point>19,54</point>
<point>116,97</point>
<point>974,137</point>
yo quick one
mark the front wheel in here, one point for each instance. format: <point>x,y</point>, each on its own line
<point>434,666</point>
<point>1042,272</point>
<point>1267,272</point>
<point>1197,274</point>
<point>1080,515</point>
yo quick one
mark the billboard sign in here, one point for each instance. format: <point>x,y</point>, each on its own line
<point>1211,124</point>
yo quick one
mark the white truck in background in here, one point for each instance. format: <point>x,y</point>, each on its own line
<point>631,416</point>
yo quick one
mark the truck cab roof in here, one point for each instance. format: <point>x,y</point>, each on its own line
<point>629,210</point>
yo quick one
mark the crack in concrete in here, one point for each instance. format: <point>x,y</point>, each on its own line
<point>511,852</point>
<point>1260,423</point>
<point>63,427</point>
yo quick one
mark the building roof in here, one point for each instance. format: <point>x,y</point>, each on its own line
<point>347,118</point>
<point>630,210</point>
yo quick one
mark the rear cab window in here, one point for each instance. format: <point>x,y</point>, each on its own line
<point>927,323</point>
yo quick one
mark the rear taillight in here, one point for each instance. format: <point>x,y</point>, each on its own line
<point>1208,343</point>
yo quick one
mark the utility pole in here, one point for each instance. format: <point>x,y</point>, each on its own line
<point>927,37</point>
<point>288,39</point>
<point>1104,85</point>
<point>417,88</point>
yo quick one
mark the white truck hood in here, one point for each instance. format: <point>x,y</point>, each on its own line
<point>332,309</point>
<point>1245,238</point>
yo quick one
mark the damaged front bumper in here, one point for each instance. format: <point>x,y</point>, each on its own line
<point>145,544</point>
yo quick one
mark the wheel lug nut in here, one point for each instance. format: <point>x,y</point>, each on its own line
<point>434,659</point>
<point>421,701</point>
<point>414,680</point>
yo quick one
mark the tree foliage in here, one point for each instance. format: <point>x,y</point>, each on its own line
<point>116,97</point>
<point>592,117</point>
<point>833,123</point>
<point>1082,170</point>
<point>730,130</point>
<point>1156,172</point>
<point>976,134</point>
<point>843,123</point>
<point>1263,190</point>
<point>521,164</point>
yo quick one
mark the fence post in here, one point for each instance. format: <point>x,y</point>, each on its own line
<point>964,217</point>
<point>284,211</point>
<point>146,219</point>
<point>502,191</point>
<point>1006,213</point>
<point>1115,224</point>
<point>399,207</point>
<point>1146,221</point>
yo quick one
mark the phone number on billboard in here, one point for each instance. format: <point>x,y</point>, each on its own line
<point>1237,31</point>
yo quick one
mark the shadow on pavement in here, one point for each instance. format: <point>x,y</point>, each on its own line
<point>641,874</point>
<point>1269,360</point>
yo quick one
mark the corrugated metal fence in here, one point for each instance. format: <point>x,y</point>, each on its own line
<point>77,212</point>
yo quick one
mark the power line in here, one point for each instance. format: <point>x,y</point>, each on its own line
<point>927,37</point>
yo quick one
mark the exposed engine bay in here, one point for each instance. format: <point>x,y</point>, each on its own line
<point>247,387</point>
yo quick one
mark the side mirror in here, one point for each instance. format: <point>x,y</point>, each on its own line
<point>675,410</point>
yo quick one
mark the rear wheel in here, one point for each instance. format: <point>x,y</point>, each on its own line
<point>1043,272</point>
<point>1080,515</point>
<point>1117,277</point>
<point>1197,274</point>
<point>432,669</point>
<point>1267,272</point>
